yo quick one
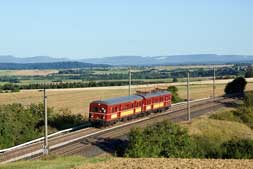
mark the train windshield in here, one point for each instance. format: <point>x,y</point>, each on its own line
<point>94,109</point>
<point>99,109</point>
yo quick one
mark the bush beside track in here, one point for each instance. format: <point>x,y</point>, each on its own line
<point>19,124</point>
<point>232,137</point>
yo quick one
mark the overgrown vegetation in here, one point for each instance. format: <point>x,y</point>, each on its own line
<point>164,139</point>
<point>167,139</point>
<point>19,124</point>
<point>243,114</point>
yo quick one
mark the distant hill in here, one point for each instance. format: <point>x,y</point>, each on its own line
<point>138,60</point>
<point>35,59</point>
<point>171,60</point>
<point>53,65</point>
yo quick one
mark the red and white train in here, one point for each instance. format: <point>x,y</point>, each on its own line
<point>110,111</point>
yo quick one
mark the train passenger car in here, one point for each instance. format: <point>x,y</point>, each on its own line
<point>109,111</point>
<point>156,101</point>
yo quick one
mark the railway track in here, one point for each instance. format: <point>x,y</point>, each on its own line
<point>86,141</point>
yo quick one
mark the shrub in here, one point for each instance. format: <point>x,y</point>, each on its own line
<point>19,124</point>
<point>164,139</point>
<point>239,149</point>
<point>248,99</point>
<point>65,120</point>
<point>246,115</point>
<point>207,148</point>
<point>175,80</point>
<point>226,115</point>
<point>249,72</point>
<point>175,97</point>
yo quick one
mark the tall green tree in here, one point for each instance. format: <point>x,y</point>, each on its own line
<point>236,86</point>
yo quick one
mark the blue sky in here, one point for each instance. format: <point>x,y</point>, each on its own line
<point>97,28</point>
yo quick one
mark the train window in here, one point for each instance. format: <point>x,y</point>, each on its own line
<point>94,109</point>
<point>149,101</point>
<point>116,109</point>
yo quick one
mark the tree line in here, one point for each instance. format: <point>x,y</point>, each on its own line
<point>61,85</point>
<point>151,73</point>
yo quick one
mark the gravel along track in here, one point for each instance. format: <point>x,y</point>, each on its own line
<point>169,163</point>
<point>95,144</point>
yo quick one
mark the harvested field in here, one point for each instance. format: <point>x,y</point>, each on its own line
<point>77,100</point>
<point>27,72</point>
<point>155,163</point>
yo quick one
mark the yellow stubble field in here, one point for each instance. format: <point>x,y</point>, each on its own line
<point>77,100</point>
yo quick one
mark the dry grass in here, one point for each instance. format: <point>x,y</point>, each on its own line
<point>77,100</point>
<point>218,130</point>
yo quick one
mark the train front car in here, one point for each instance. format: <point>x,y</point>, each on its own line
<point>109,111</point>
<point>98,113</point>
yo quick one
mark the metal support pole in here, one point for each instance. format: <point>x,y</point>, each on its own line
<point>129,87</point>
<point>45,152</point>
<point>188,96</point>
<point>214,85</point>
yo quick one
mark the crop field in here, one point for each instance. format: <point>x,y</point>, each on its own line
<point>26,72</point>
<point>77,100</point>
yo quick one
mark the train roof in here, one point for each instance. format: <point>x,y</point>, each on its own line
<point>119,100</point>
<point>154,94</point>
